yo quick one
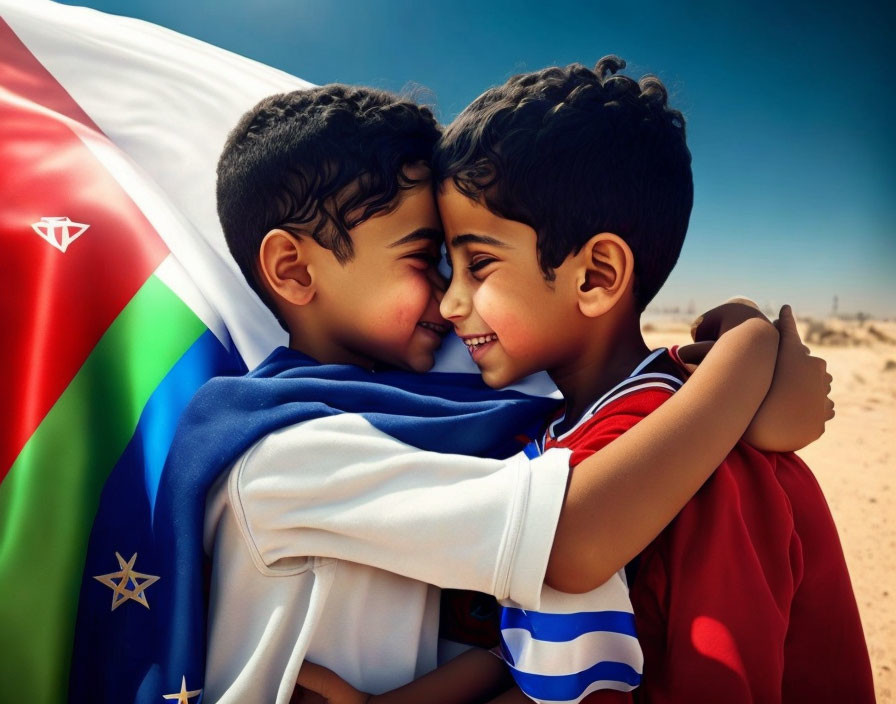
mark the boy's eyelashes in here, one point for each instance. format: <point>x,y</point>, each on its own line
<point>430,258</point>
<point>480,263</point>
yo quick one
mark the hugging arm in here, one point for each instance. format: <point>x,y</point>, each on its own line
<point>638,481</point>
<point>609,507</point>
<point>643,478</point>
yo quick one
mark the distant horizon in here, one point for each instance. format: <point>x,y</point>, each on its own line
<point>793,150</point>
<point>803,305</point>
<point>691,310</point>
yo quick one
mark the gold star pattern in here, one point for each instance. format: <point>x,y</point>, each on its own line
<point>125,576</point>
<point>183,696</point>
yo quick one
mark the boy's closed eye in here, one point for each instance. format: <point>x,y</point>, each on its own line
<point>426,258</point>
<point>424,244</point>
<point>478,263</point>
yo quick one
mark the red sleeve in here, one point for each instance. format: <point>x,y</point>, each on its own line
<point>745,597</point>
<point>610,422</point>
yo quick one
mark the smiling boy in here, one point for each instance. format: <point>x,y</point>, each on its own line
<point>565,197</point>
<point>379,307</point>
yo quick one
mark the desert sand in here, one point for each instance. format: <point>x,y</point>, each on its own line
<point>855,462</point>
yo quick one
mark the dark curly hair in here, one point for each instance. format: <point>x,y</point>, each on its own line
<point>318,161</point>
<point>573,152</point>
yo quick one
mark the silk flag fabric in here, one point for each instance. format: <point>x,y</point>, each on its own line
<point>118,297</point>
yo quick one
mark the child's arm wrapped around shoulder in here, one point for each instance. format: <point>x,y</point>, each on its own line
<point>797,405</point>
<point>643,478</point>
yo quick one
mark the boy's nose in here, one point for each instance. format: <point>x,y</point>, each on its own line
<point>453,304</point>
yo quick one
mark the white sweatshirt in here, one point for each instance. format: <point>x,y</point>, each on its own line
<point>326,536</point>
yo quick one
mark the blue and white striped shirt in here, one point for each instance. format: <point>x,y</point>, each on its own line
<point>576,643</point>
<point>579,643</point>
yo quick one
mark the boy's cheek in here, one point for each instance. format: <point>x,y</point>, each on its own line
<point>393,321</point>
<point>492,309</point>
<point>510,325</point>
<point>407,308</point>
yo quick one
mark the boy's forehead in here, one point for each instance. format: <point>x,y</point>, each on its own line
<point>460,213</point>
<point>412,218</point>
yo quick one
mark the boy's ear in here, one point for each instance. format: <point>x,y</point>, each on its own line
<point>606,268</point>
<point>283,261</point>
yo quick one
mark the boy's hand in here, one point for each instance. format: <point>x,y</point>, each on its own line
<point>797,406</point>
<point>713,323</point>
<point>710,326</point>
<point>319,685</point>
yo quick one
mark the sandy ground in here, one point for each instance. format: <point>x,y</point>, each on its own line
<point>855,462</point>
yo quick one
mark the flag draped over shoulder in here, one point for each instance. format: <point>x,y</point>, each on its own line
<point>147,653</point>
<point>117,295</point>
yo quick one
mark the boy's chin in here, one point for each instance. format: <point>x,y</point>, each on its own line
<point>420,363</point>
<point>496,380</point>
<point>422,368</point>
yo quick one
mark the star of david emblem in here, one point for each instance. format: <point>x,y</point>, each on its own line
<point>121,592</point>
<point>183,696</point>
<point>59,232</point>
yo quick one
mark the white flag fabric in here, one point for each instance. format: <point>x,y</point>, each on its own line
<point>167,103</point>
<point>118,296</point>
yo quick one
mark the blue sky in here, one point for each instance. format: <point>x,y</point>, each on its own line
<point>790,112</point>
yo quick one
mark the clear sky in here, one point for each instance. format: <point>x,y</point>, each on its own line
<point>790,106</point>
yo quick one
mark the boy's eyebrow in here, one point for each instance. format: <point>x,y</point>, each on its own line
<point>458,240</point>
<point>423,233</point>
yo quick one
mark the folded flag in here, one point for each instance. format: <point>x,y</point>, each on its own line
<point>118,300</point>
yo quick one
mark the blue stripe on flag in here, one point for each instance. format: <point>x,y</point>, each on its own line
<point>562,688</point>
<point>559,628</point>
<point>205,358</point>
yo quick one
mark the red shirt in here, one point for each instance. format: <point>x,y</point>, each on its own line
<point>745,596</point>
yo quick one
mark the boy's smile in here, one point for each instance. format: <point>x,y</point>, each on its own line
<point>513,321</point>
<point>477,344</point>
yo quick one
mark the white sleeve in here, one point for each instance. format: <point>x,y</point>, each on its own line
<point>337,487</point>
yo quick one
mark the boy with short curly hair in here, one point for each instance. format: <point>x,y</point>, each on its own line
<point>565,195</point>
